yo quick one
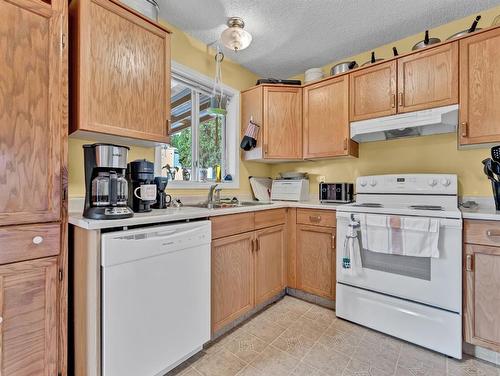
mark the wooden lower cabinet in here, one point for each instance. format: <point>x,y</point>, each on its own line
<point>232,278</point>
<point>29,329</point>
<point>482,296</point>
<point>316,260</point>
<point>269,262</point>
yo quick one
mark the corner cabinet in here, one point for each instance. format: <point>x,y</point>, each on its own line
<point>248,263</point>
<point>479,93</point>
<point>120,72</point>
<point>277,109</point>
<point>482,283</point>
<point>326,120</point>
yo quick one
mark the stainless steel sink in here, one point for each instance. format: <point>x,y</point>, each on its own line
<point>223,205</point>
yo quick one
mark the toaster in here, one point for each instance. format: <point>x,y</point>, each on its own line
<point>336,192</point>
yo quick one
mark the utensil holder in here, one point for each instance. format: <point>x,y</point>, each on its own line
<point>496,193</point>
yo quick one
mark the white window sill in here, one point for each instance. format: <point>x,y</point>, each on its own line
<point>178,184</point>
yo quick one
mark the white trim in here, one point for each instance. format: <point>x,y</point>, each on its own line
<point>232,132</point>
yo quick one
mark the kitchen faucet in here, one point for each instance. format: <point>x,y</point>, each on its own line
<point>210,199</point>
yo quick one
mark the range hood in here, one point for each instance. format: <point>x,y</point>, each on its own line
<point>418,123</point>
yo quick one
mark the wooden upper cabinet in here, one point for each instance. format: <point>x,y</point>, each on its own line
<point>482,296</point>
<point>120,77</point>
<point>278,112</point>
<point>428,79</point>
<point>232,278</point>
<point>31,111</point>
<point>326,127</point>
<point>269,262</point>
<point>479,88</point>
<point>316,260</point>
<point>28,293</point>
<point>373,91</point>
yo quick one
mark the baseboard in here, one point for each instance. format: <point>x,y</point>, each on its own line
<point>311,298</point>
<point>481,353</point>
<point>245,317</point>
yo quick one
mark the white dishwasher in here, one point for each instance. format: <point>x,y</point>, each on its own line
<point>155,297</point>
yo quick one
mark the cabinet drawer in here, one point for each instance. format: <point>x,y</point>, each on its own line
<point>482,232</point>
<point>325,218</point>
<point>18,243</point>
<point>268,218</point>
<point>232,224</point>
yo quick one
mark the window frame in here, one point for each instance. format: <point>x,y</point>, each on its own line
<point>232,134</point>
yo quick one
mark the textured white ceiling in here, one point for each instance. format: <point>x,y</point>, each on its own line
<point>290,36</point>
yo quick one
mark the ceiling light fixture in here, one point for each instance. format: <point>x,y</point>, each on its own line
<point>235,37</point>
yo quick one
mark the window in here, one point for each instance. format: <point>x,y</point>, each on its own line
<point>201,145</point>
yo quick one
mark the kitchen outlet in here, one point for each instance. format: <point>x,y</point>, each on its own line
<point>321,178</point>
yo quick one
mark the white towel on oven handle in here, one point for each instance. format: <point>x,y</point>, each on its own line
<point>351,256</point>
<point>420,236</point>
<point>375,235</point>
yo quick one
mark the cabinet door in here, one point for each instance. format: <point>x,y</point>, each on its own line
<point>232,278</point>
<point>316,260</point>
<point>373,92</point>
<point>282,123</point>
<point>482,296</point>
<point>269,262</point>
<point>428,79</point>
<point>124,78</point>
<point>326,119</point>
<point>479,83</point>
<point>29,320</point>
<point>252,101</point>
<point>31,103</point>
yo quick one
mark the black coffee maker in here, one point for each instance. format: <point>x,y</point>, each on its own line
<point>105,185</point>
<point>162,198</point>
<point>142,190</point>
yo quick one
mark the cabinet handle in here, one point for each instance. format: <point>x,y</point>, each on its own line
<point>37,240</point>
<point>253,245</point>
<point>315,218</point>
<point>257,245</point>
<point>168,126</point>
<point>492,234</point>
<point>333,241</point>
<point>401,100</point>
<point>464,129</point>
<point>345,143</point>
<point>468,263</point>
<point>393,100</point>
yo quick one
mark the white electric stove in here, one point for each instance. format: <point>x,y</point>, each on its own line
<point>418,299</point>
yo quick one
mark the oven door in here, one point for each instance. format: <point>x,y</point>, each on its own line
<point>436,282</point>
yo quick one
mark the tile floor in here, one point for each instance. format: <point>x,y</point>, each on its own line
<point>296,338</point>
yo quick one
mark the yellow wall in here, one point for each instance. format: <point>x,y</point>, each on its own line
<point>431,154</point>
<point>195,55</point>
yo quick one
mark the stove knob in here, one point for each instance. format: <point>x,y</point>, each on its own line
<point>373,183</point>
<point>432,182</point>
<point>445,182</point>
<point>362,183</point>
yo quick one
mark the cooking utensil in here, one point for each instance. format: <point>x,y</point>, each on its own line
<point>495,153</point>
<point>425,42</point>
<point>495,168</point>
<point>471,29</point>
<point>395,51</point>
<point>372,60</point>
<point>488,170</point>
<point>343,67</point>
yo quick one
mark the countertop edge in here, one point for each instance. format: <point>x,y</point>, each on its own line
<point>186,213</point>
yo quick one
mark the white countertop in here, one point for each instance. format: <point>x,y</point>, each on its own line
<point>485,209</point>
<point>185,213</point>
